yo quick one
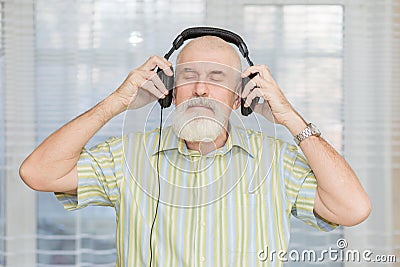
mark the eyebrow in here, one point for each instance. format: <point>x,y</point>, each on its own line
<point>188,70</point>
<point>218,72</point>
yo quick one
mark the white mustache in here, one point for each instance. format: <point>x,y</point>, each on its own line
<point>199,101</point>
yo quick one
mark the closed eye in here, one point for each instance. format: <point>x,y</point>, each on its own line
<point>189,74</point>
<point>217,76</point>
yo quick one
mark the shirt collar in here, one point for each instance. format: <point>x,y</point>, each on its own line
<point>238,137</point>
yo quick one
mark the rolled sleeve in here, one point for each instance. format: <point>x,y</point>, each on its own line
<point>303,207</point>
<point>301,187</point>
<point>99,169</point>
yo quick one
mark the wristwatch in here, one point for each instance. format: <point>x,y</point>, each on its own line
<point>310,130</point>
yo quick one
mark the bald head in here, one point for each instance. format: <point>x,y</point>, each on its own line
<point>210,48</point>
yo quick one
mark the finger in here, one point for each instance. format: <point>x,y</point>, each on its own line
<point>267,88</point>
<point>147,83</point>
<point>156,61</point>
<point>258,82</point>
<point>262,70</point>
<point>248,71</point>
<point>151,88</point>
<point>265,72</point>
<point>159,84</point>
<point>255,93</point>
<point>168,70</point>
<point>137,77</point>
<point>166,66</point>
<point>248,87</point>
<point>166,61</point>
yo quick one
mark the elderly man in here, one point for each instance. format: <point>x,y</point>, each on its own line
<point>208,226</point>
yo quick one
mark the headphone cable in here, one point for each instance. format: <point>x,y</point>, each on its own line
<point>158,178</point>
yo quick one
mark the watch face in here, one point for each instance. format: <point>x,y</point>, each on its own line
<point>314,130</point>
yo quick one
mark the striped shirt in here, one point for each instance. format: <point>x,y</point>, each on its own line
<point>218,209</point>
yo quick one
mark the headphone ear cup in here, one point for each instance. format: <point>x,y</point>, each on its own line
<point>168,82</point>
<point>246,111</point>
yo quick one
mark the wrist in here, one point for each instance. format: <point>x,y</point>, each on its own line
<point>111,106</point>
<point>295,124</point>
<point>310,130</point>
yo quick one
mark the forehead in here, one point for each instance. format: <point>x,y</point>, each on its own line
<point>220,55</point>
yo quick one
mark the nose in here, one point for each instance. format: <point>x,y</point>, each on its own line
<point>201,89</point>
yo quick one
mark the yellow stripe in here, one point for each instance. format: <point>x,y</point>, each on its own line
<point>134,221</point>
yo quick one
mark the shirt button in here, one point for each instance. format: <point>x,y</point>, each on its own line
<point>202,259</point>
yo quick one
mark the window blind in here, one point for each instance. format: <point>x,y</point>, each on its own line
<point>395,123</point>
<point>337,61</point>
<point>84,50</point>
<point>2,151</point>
<point>303,47</point>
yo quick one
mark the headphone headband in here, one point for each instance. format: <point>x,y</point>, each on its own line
<point>194,32</point>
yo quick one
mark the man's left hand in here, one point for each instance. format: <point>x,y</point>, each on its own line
<point>276,108</point>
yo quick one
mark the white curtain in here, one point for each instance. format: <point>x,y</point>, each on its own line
<point>371,72</point>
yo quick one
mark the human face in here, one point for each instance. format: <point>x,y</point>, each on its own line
<point>205,74</point>
<point>208,72</point>
<point>215,83</point>
<point>205,97</point>
<point>207,79</point>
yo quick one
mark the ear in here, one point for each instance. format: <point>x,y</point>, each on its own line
<point>236,103</point>
<point>174,96</point>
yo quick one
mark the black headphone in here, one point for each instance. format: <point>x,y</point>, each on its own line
<point>194,32</point>
<point>168,81</point>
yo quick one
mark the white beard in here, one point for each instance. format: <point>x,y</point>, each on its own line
<point>195,126</point>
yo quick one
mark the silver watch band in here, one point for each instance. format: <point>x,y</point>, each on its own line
<point>310,130</point>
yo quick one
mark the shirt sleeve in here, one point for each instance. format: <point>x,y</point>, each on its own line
<point>301,186</point>
<point>99,175</point>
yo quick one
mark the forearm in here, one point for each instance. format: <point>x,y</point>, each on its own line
<point>52,165</point>
<point>340,197</point>
<point>58,154</point>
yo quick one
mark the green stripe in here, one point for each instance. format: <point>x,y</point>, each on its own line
<point>133,221</point>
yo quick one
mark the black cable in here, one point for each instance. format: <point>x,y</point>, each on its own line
<point>158,176</point>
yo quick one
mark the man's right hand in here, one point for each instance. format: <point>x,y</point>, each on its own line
<point>142,85</point>
<point>52,166</point>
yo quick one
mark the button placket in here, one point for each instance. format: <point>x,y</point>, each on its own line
<point>201,214</point>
